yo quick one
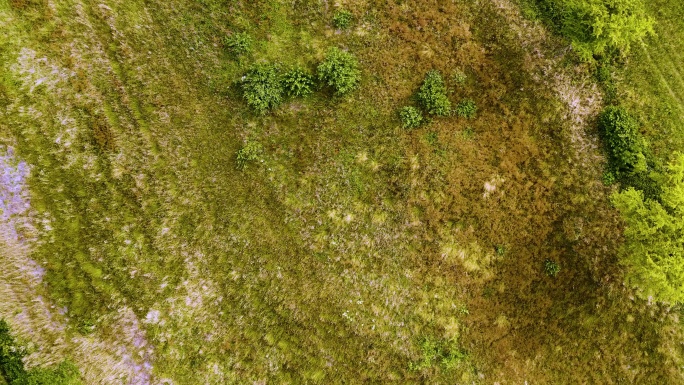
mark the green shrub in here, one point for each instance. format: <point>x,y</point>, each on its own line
<point>441,353</point>
<point>340,71</point>
<point>620,134</point>
<point>433,95</point>
<point>262,88</point>
<point>653,251</point>
<point>459,77</point>
<point>599,27</point>
<point>410,117</point>
<point>11,364</point>
<point>551,268</point>
<point>342,19</point>
<point>466,109</point>
<point>249,153</point>
<point>238,43</point>
<point>298,82</point>
<point>12,367</point>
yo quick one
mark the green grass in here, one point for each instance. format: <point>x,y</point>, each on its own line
<point>328,259</point>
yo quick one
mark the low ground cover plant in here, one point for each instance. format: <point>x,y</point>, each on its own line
<point>340,71</point>
<point>342,19</point>
<point>262,88</point>
<point>239,43</point>
<point>298,83</point>
<point>410,117</point>
<point>432,95</point>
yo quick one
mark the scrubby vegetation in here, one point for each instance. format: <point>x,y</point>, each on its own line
<point>249,153</point>
<point>199,205</point>
<point>342,19</point>
<point>599,28</point>
<point>239,43</point>
<point>433,95</point>
<point>12,367</point>
<point>340,71</point>
<point>297,82</point>
<point>262,88</point>
<point>654,246</point>
<point>410,117</point>
<point>466,109</point>
<point>551,268</point>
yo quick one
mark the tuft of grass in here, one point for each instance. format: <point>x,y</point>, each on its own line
<point>238,44</point>
<point>551,268</point>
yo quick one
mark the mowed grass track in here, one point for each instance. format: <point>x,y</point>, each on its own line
<point>351,242</point>
<point>653,80</point>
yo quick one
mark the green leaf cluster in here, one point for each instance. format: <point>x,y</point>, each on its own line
<point>249,153</point>
<point>239,43</point>
<point>410,117</point>
<point>466,109</point>
<point>433,94</point>
<point>654,236</point>
<point>551,268</point>
<point>340,71</point>
<point>599,27</point>
<point>12,367</point>
<point>623,142</point>
<point>342,19</point>
<point>262,88</point>
<point>442,353</point>
<point>298,82</point>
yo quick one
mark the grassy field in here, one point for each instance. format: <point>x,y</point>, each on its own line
<point>352,251</point>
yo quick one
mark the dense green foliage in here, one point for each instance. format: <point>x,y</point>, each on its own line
<point>249,153</point>
<point>262,88</point>
<point>410,117</point>
<point>433,95</point>
<point>599,27</point>
<point>551,268</point>
<point>654,237</point>
<point>238,43</point>
<point>298,82</point>
<point>623,142</point>
<point>628,159</point>
<point>342,19</point>
<point>438,353</point>
<point>12,367</point>
<point>466,109</point>
<point>340,71</point>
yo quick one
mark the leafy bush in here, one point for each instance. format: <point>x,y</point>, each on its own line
<point>298,82</point>
<point>653,251</point>
<point>410,117</point>
<point>466,108</point>
<point>340,71</point>
<point>12,367</point>
<point>459,77</point>
<point>342,19</point>
<point>261,87</point>
<point>238,43</point>
<point>551,268</point>
<point>249,153</point>
<point>620,134</point>
<point>442,353</point>
<point>599,27</point>
<point>433,95</point>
